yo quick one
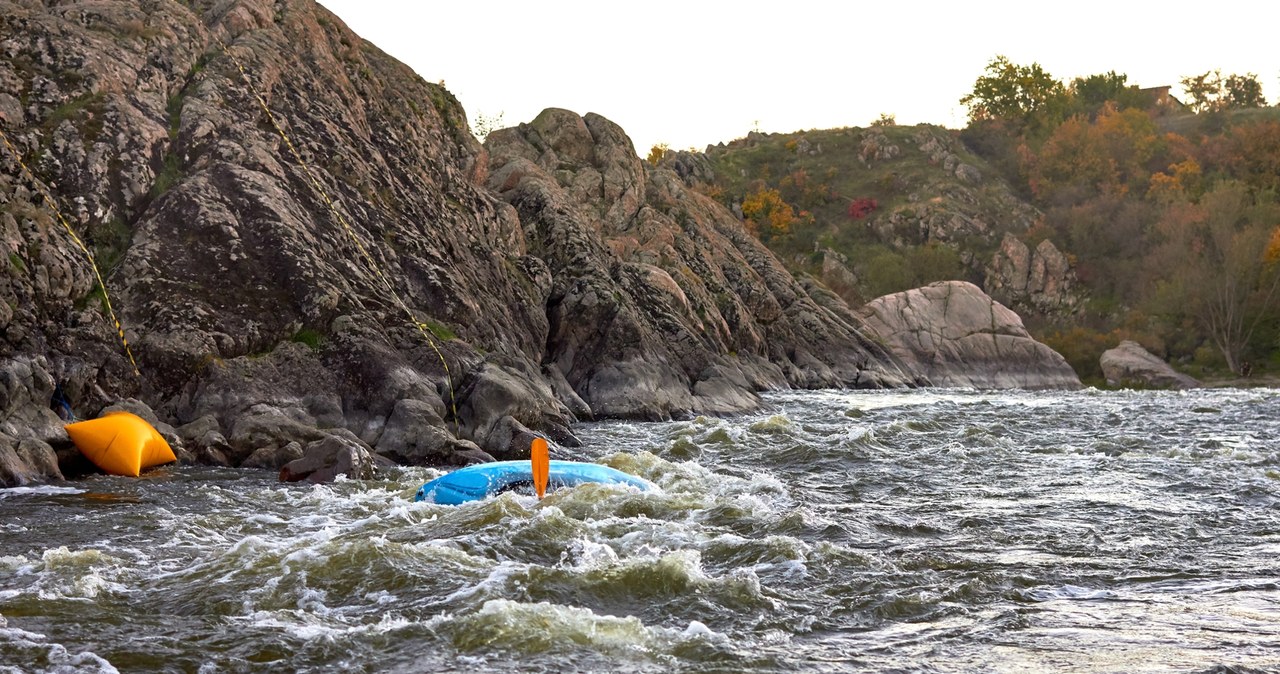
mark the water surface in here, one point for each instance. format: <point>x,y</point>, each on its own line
<point>928,530</point>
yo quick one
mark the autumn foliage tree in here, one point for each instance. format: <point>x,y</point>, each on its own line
<point>1089,95</point>
<point>1175,236</point>
<point>1215,264</point>
<point>657,152</point>
<point>862,207</point>
<point>1251,153</point>
<point>767,214</point>
<point>1108,155</point>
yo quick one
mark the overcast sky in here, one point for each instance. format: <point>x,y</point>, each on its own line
<point>691,73</point>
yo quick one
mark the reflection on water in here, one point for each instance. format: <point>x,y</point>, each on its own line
<point>942,531</point>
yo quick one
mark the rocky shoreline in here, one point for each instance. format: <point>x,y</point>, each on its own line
<point>391,290</point>
<point>394,292</point>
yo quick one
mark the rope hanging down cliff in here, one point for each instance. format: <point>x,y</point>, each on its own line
<point>346,226</point>
<point>53,206</point>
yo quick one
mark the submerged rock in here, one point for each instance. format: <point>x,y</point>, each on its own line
<point>955,335</point>
<point>327,458</point>
<point>1130,365</point>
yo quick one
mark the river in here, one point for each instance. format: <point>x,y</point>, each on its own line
<point>834,531</point>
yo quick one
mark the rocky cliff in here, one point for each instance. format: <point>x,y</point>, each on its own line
<point>307,247</point>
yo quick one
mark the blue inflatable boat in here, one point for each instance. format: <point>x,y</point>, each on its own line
<point>483,480</point>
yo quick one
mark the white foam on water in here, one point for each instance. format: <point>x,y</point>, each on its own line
<point>793,569</point>
<point>45,489</point>
<point>1069,593</point>
<point>313,601</point>
<point>309,627</point>
<point>265,519</point>
<point>304,556</point>
<point>699,631</point>
<point>588,554</point>
<point>63,557</point>
<point>494,583</point>
<point>44,656</point>
<point>17,564</point>
<point>63,573</point>
<point>504,625</point>
<point>381,597</point>
<point>542,626</point>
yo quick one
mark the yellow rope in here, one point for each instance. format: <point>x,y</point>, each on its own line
<point>48,200</point>
<point>346,226</point>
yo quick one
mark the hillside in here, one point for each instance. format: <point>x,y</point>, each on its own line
<point>888,208</point>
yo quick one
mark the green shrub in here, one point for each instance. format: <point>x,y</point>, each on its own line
<point>309,337</point>
<point>1083,347</point>
<point>440,330</point>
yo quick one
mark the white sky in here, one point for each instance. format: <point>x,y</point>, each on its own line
<point>691,73</point>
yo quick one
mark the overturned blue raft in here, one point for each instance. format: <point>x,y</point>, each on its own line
<point>489,479</point>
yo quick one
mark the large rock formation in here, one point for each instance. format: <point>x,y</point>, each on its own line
<point>660,301</point>
<point>1039,280</point>
<point>1130,365</point>
<point>336,272</point>
<point>955,335</point>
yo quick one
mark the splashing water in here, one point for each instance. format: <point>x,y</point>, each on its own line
<point>941,531</point>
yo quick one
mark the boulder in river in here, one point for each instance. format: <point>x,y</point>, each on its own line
<point>327,458</point>
<point>1129,365</point>
<point>955,335</point>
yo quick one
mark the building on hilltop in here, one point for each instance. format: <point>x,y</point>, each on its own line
<point>1161,102</point>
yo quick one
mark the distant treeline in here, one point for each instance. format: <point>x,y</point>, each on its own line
<point>1171,209</point>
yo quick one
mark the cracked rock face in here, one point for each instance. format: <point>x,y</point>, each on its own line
<point>351,263</point>
<point>660,301</point>
<point>955,335</point>
<point>1041,280</point>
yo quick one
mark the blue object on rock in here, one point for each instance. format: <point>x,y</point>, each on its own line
<point>483,480</point>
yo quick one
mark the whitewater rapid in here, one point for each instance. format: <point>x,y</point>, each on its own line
<point>926,530</point>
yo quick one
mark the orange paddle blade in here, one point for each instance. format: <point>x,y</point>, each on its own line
<point>541,458</point>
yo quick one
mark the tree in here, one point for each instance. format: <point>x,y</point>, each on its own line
<point>1212,92</point>
<point>1243,91</point>
<point>1026,95</point>
<point>1090,94</point>
<point>485,124</point>
<point>1202,91</point>
<point>885,119</point>
<point>1253,154</point>
<point>1178,182</point>
<point>766,214</point>
<point>1109,155</point>
<point>1215,266</point>
<point>657,152</point>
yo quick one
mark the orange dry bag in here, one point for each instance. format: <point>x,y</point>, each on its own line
<point>120,443</point>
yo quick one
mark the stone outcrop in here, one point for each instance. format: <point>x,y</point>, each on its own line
<point>1130,365</point>
<point>660,301</point>
<point>393,286</point>
<point>1040,280</point>
<point>326,459</point>
<point>955,335</point>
